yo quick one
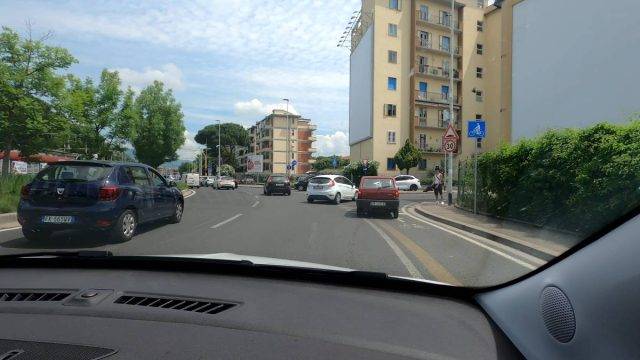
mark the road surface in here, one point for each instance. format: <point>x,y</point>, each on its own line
<point>246,222</point>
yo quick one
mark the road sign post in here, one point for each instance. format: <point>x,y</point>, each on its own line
<point>450,145</point>
<point>476,129</point>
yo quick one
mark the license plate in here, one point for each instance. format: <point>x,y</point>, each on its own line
<point>279,184</point>
<point>317,187</point>
<point>53,219</point>
<point>377,203</point>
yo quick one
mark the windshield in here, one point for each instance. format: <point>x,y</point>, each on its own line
<point>512,132</point>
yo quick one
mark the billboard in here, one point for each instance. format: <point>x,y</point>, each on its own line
<point>254,164</point>
<point>361,90</point>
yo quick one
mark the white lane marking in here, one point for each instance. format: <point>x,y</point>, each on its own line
<point>255,204</point>
<point>226,221</point>
<point>193,192</point>
<point>498,252</point>
<point>401,220</point>
<point>9,229</point>
<point>396,249</point>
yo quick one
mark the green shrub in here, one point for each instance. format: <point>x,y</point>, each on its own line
<point>355,171</point>
<point>227,170</point>
<point>577,180</point>
<point>10,191</point>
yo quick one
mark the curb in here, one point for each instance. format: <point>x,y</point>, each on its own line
<point>9,221</point>
<point>250,186</point>
<point>501,239</point>
<point>187,193</point>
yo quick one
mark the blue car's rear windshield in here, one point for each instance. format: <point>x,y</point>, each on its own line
<point>74,172</point>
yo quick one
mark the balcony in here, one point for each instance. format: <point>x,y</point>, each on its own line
<point>437,72</point>
<point>313,126</point>
<point>421,122</point>
<point>443,23</point>
<point>438,98</point>
<point>428,149</point>
<point>427,45</point>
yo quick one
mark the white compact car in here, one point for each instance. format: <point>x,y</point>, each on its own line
<point>407,182</point>
<point>331,188</point>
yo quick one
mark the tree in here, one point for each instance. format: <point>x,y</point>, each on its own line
<point>158,128</point>
<point>185,167</point>
<point>227,170</point>
<point>231,136</point>
<point>30,88</point>
<point>100,116</point>
<point>355,171</point>
<point>408,156</point>
<point>326,162</point>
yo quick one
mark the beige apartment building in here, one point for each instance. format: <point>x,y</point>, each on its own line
<point>400,78</point>
<point>269,138</point>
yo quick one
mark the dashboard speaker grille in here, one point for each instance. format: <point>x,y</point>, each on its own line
<point>35,295</point>
<point>557,314</point>
<point>199,306</point>
<point>35,350</point>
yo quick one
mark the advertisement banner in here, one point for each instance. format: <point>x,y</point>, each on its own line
<point>254,164</point>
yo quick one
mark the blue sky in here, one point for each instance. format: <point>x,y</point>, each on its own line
<point>228,60</point>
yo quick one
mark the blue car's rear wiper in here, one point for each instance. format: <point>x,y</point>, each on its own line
<point>80,254</point>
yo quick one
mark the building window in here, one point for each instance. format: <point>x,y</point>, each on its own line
<point>391,137</point>
<point>445,43</point>
<point>391,83</point>
<point>479,25</point>
<point>479,49</point>
<point>479,72</point>
<point>479,95</point>
<point>393,30</point>
<point>422,141</point>
<point>393,57</point>
<point>391,164</point>
<point>424,12</point>
<point>445,18</point>
<point>478,116</point>
<point>422,164</point>
<point>394,4</point>
<point>389,110</point>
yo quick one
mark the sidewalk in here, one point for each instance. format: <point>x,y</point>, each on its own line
<point>8,221</point>
<point>539,242</point>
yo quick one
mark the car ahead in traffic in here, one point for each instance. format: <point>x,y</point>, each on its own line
<point>277,184</point>
<point>193,180</point>
<point>407,182</point>
<point>302,182</point>
<point>331,188</point>
<point>113,198</point>
<point>210,181</point>
<point>377,194</point>
<point>225,182</point>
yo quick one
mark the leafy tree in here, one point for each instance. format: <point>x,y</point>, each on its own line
<point>408,156</point>
<point>227,170</point>
<point>30,88</point>
<point>158,128</point>
<point>185,167</point>
<point>326,162</point>
<point>355,171</point>
<point>100,115</point>
<point>232,136</point>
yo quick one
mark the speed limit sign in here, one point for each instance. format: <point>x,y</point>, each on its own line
<point>449,145</point>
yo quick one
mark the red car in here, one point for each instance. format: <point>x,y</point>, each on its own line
<point>378,194</point>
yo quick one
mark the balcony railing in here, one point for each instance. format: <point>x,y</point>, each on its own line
<point>439,72</point>
<point>428,45</point>
<point>424,147</point>
<point>421,121</point>
<point>441,98</point>
<point>437,20</point>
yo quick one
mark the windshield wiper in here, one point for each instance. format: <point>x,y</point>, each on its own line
<point>81,254</point>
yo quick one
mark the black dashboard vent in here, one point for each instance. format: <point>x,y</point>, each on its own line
<point>32,295</point>
<point>199,306</point>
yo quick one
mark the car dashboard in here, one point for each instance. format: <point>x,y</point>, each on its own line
<point>148,314</point>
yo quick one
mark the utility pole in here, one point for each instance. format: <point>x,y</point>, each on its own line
<point>218,169</point>
<point>288,140</point>
<point>451,98</point>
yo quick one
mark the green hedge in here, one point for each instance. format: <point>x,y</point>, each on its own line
<point>576,180</point>
<point>10,191</point>
<point>355,171</point>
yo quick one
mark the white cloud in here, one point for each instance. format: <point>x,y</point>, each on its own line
<point>332,144</point>
<point>169,74</point>
<point>255,107</point>
<point>190,147</point>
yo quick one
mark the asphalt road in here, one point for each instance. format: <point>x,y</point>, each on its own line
<point>245,222</point>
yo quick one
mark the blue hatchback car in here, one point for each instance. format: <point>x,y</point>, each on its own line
<point>97,195</point>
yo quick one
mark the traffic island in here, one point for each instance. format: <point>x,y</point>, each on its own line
<point>542,243</point>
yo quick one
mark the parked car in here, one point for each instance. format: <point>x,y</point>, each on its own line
<point>277,184</point>
<point>331,188</point>
<point>407,182</point>
<point>302,182</point>
<point>97,195</point>
<point>211,180</point>
<point>225,182</point>
<point>193,180</point>
<point>377,194</point>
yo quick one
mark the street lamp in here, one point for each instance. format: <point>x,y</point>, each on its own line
<point>218,170</point>
<point>288,139</point>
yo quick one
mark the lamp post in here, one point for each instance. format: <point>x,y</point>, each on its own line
<point>288,140</point>
<point>218,169</point>
<point>451,113</point>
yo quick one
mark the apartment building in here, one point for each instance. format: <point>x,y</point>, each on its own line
<point>400,86</point>
<point>269,138</point>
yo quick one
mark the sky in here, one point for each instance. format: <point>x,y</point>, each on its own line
<point>228,60</point>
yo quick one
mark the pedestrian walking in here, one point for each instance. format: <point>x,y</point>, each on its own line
<point>438,182</point>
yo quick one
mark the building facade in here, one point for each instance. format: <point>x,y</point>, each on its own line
<point>400,84</point>
<point>269,138</point>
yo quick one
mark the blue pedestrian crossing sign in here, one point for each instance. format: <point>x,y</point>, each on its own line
<point>476,129</point>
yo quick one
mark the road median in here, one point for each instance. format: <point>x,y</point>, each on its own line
<point>8,221</point>
<point>539,242</point>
